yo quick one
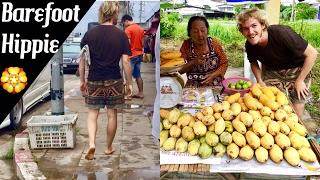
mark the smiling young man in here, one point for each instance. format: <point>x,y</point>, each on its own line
<point>286,57</point>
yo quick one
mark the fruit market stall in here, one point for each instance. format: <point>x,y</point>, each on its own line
<point>245,129</point>
<point>252,138</point>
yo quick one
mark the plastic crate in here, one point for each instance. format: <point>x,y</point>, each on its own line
<point>52,131</point>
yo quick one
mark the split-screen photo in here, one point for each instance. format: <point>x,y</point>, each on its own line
<point>160,89</point>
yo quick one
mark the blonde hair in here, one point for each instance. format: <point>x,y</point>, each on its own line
<point>255,13</point>
<point>108,10</point>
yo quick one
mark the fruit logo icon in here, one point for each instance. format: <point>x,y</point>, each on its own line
<point>13,79</point>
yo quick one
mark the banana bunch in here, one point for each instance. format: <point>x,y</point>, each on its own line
<point>171,58</point>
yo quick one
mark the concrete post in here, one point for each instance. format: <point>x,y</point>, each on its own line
<point>273,11</point>
<point>57,87</point>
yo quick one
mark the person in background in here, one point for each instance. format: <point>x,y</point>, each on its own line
<point>104,86</point>
<point>151,33</point>
<point>206,62</point>
<point>286,57</point>
<point>135,35</point>
<point>147,48</point>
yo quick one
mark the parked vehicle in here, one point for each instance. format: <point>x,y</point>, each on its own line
<point>70,56</point>
<point>92,25</point>
<point>37,92</point>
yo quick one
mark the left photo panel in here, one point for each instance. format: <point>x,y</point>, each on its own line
<point>78,90</point>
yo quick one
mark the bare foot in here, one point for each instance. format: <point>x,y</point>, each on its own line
<point>90,154</point>
<point>108,152</point>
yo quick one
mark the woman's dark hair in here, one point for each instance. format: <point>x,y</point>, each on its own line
<point>197,18</point>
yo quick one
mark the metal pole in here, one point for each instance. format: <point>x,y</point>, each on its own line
<point>292,18</point>
<point>57,87</point>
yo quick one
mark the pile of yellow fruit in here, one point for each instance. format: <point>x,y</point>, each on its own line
<point>170,58</point>
<point>260,124</point>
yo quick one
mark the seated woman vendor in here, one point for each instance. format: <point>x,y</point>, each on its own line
<point>206,63</point>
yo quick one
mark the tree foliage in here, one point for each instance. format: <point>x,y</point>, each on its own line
<point>238,9</point>
<point>168,24</point>
<point>303,11</point>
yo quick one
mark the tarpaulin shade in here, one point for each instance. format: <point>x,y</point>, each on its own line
<point>245,1</point>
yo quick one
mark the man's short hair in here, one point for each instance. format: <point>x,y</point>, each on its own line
<point>126,17</point>
<point>255,13</point>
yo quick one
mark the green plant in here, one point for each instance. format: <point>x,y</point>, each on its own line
<point>308,30</point>
<point>168,24</point>
<point>286,13</point>
<point>169,5</point>
<point>313,107</point>
<point>180,32</point>
<point>303,11</point>
<point>260,6</point>
<point>9,153</point>
<point>316,80</point>
<point>166,5</point>
<point>238,8</point>
<point>225,31</point>
<point>235,54</point>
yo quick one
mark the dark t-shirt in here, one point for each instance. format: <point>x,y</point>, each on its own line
<point>106,44</point>
<point>284,50</point>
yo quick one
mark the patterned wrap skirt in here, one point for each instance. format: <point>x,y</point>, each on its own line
<point>284,80</point>
<point>107,93</point>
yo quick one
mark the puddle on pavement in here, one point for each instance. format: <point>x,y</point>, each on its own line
<point>49,168</point>
<point>147,173</point>
<point>94,176</point>
<point>134,147</point>
<point>74,93</point>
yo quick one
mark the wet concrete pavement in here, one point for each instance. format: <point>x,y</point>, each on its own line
<point>136,153</point>
<point>6,165</point>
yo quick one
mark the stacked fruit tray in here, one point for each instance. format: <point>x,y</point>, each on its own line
<point>259,126</point>
<point>170,61</point>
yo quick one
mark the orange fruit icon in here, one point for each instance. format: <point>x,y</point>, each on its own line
<point>13,80</point>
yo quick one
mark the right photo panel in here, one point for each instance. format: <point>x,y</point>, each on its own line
<point>239,89</point>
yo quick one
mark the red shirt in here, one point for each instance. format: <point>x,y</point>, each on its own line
<point>135,34</point>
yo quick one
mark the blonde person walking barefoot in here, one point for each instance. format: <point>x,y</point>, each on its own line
<point>104,87</point>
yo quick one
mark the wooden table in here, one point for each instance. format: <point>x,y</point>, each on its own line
<point>189,171</point>
<point>185,168</point>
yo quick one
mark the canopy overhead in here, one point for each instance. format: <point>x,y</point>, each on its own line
<point>245,1</point>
